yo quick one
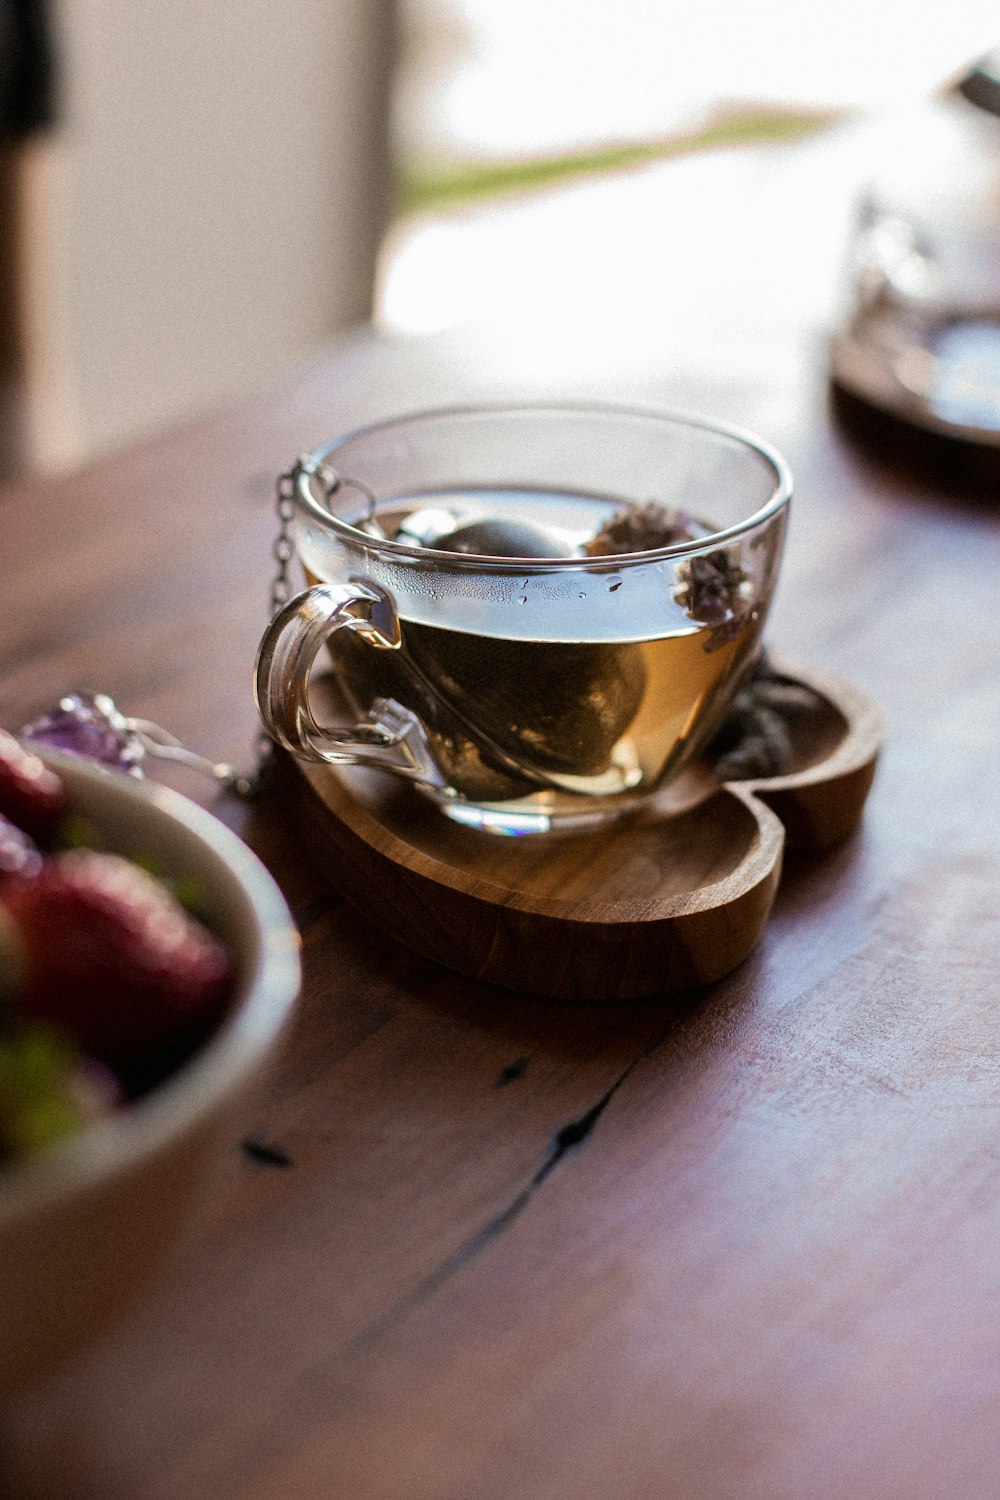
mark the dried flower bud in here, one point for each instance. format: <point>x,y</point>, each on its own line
<point>712,588</point>
<point>755,739</point>
<point>643,528</point>
<point>763,749</point>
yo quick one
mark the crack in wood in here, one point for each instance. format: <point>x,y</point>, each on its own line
<point>567,1139</point>
<point>265,1153</point>
<point>512,1072</point>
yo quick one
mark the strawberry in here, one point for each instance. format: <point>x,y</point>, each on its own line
<point>31,795</point>
<point>95,945</point>
<point>18,853</point>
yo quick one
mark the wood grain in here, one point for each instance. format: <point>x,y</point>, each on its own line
<point>744,1244</point>
<point>664,900</point>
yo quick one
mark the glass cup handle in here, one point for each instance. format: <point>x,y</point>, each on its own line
<point>392,739</point>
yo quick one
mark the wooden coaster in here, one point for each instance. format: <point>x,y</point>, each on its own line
<point>655,902</point>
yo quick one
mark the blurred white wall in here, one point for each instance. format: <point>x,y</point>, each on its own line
<point>206,213</point>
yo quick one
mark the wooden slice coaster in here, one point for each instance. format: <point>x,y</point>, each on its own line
<point>659,901</point>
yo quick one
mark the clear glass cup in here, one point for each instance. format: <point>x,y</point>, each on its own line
<point>480,652</point>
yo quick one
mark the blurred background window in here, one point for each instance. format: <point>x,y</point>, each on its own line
<point>213,200</point>
<point>499,99</point>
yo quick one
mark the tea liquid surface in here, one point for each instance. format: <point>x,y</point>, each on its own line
<point>530,685</point>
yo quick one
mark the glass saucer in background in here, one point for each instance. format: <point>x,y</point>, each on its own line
<point>920,340</point>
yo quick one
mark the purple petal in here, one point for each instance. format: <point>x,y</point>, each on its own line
<point>88,725</point>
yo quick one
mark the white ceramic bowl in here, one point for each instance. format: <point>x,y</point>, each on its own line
<point>82,1224</point>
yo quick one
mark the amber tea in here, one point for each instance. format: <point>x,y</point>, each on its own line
<point>592,686</point>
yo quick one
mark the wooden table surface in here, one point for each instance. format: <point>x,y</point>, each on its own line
<point>766,1261</point>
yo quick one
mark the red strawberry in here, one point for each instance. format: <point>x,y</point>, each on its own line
<point>102,949</point>
<point>31,795</point>
<point>18,854</point>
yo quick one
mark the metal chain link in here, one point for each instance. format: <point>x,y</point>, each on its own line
<point>283,551</point>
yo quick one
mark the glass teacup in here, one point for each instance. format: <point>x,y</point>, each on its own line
<point>537,615</point>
